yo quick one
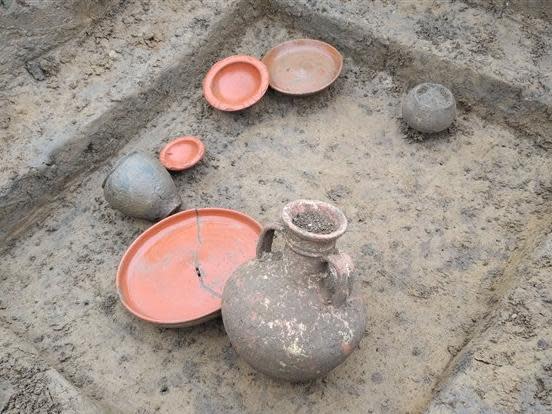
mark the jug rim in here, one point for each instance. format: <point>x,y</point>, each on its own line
<point>293,208</point>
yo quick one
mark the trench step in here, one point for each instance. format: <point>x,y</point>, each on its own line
<point>500,71</point>
<point>28,384</point>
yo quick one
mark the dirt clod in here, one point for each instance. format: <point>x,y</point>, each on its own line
<point>35,70</point>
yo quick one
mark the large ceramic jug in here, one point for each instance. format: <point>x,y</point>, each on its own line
<point>296,314</point>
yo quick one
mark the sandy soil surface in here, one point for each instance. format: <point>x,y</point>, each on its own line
<point>450,234</point>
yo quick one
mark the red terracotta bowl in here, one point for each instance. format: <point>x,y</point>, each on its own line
<point>235,83</point>
<point>173,274</point>
<point>182,153</point>
<point>303,66</point>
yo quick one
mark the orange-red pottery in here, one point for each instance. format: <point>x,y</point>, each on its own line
<point>173,273</point>
<point>235,83</point>
<point>182,153</point>
<point>303,66</point>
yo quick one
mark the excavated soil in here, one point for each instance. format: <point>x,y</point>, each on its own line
<point>314,222</point>
<point>450,233</point>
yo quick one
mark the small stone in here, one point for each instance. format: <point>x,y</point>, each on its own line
<point>35,70</point>
<point>377,378</point>
<point>542,344</point>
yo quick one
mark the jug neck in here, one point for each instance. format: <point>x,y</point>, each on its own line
<point>310,264</point>
<point>308,248</point>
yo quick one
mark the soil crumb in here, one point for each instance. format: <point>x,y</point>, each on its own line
<point>314,222</point>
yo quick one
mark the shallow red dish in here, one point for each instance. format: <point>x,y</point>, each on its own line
<point>182,153</point>
<point>173,273</point>
<point>303,66</point>
<point>235,83</point>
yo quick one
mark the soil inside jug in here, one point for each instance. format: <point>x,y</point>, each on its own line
<point>314,222</point>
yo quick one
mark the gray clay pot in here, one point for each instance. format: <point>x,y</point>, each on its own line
<point>295,314</point>
<point>429,107</point>
<point>141,187</point>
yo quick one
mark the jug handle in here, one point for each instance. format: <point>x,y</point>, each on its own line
<point>340,267</point>
<point>264,244</point>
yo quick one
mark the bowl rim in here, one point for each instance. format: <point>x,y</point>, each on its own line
<point>450,104</point>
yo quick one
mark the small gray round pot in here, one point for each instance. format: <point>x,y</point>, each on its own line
<point>429,107</point>
<point>141,187</point>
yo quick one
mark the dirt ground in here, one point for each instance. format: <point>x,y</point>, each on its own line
<point>451,234</point>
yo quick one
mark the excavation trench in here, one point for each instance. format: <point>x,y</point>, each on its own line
<point>433,224</point>
<point>488,96</point>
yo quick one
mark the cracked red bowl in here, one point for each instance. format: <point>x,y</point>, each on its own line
<point>174,272</point>
<point>182,153</point>
<point>235,83</point>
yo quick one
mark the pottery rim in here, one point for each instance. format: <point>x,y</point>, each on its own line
<point>449,96</point>
<point>291,209</point>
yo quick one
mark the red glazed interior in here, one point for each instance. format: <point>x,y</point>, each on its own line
<point>235,83</point>
<point>182,153</point>
<point>303,66</point>
<point>173,273</point>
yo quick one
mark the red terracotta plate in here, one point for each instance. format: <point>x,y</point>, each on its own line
<point>235,83</point>
<point>173,273</point>
<point>303,66</point>
<point>182,153</point>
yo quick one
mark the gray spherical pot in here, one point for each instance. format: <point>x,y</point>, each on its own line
<point>429,107</point>
<point>296,314</point>
<point>141,187</point>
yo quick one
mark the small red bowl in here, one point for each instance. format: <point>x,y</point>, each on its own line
<point>182,153</point>
<point>235,83</point>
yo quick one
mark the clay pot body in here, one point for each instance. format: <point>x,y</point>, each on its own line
<point>295,314</point>
<point>141,187</point>
<point>429,107</point>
